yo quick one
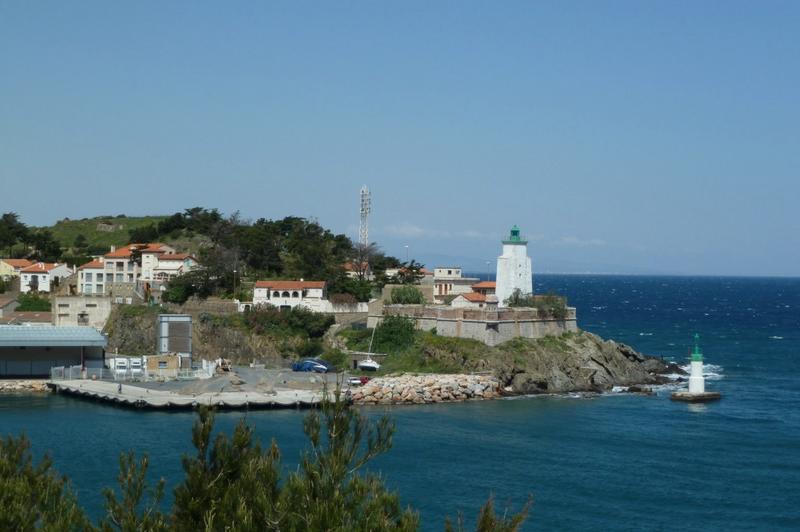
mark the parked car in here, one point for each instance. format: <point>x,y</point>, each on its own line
<point>312,364</point>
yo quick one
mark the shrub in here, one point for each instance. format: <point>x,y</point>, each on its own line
<point>407,295</point>
<point>269,319</point>
<point>33,303</point>
<point>395,333</point>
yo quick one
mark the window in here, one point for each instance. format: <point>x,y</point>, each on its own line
<point>130,277</point>
<point>295,294</point>
<point>162,364</point>
<point>83,318</point>
<point>91,305</point>
<point>285,294</point>
<point>128,300</point>
<point>98,289</point>
<point>88,277</point>
<point>118,300</point>
<point>65,315</point>
<point>63,305</point>
<point>119,278</point>
<point>276,294</point>
<point>109,277</point>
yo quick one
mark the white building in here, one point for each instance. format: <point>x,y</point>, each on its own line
<point>91,278</point>
<point>447,280</point>
<point>310,295</point>
<point>42,276</point>
<point>289,294</point>
<point>514,271</point>
<point>134,262</point>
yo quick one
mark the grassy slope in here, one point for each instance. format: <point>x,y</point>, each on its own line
<point>438,354</point>
<point>65,230</point>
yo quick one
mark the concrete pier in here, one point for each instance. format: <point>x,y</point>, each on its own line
<point>148,398</point>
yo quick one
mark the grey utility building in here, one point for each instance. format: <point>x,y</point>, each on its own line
<point>31,350</point>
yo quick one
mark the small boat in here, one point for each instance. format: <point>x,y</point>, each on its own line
<point>368,365</point>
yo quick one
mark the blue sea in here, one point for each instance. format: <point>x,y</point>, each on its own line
<point>614,462</point>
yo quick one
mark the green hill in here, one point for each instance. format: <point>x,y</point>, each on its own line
<point>101,231</point>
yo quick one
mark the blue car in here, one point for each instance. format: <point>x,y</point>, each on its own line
<point>312,364</point>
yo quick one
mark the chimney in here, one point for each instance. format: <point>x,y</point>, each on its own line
<point>113,249</point>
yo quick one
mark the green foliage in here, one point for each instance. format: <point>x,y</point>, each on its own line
<point>230,481</point>
<point>550,305</point>
<point>489,521</point>
<point>359,289</point>
<point>3,285</point>
<point>339,359</point>
<point>410,273</point>
<point>134,513</point>
<point>407,295</point>
<point>294,321</point>
<point>80,242</point>
<point>34,497</point>
<point>329,492</point>
<point>395,333</point>
<point>45,247</point>
<point>32,303</point>
<point>12,231</point>
<point>66,231</point>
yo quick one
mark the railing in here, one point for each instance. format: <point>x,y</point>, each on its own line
<point>65,373</point>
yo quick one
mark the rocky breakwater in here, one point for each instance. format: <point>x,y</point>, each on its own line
<point>23,386</point>
<point>422,389</point>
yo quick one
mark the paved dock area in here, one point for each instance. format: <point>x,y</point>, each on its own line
<point>243,387</point>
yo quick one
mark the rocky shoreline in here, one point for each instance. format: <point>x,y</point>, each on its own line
<point>426,389</point>
<point>23,386</point>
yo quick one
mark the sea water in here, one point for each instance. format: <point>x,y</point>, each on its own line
<point>615,462</point>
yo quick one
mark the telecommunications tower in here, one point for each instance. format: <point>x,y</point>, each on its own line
<point>366,207</point>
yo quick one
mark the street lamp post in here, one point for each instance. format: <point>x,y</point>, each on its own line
<point>406,252</point>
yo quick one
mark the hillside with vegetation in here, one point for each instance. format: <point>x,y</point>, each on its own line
<point>233,252</point>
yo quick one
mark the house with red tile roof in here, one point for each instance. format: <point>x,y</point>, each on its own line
<point>485,287</point>
<point>11,267</point>
<point>42,276</point>
<point>132,263</point>
<point>469,300</point>
<point>290,294</point>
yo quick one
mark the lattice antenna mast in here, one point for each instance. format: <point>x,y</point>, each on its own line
<point>366,208</point>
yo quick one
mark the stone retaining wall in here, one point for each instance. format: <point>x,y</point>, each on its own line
<point>16,386</point>
<point>421,389</point>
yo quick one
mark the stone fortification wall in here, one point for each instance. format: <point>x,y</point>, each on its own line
<point>491,327</point>
<point>211,305</point>
<point>422,389</point>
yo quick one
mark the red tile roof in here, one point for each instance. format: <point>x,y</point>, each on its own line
<point>17,263</point>
<point>40,267</point>
<point>290,285</point>
<point>351,266</point>
<point>485,284</point>
<point>97,264</point>
<point>125,252</point>
<point>26,316</point>
<point>474,297</point>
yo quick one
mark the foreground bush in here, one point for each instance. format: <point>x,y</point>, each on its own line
<point>232,483</point>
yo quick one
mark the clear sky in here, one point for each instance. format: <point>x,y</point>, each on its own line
<point>644,136</point>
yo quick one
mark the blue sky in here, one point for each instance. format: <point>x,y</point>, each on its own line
<point>641,137</point>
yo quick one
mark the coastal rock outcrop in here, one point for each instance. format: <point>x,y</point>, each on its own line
<point>23,386</point>
<point>577,362</point>
<point>423,389</point>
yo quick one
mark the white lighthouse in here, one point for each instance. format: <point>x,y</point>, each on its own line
<point>514,270</point>
<point>697,383</point>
